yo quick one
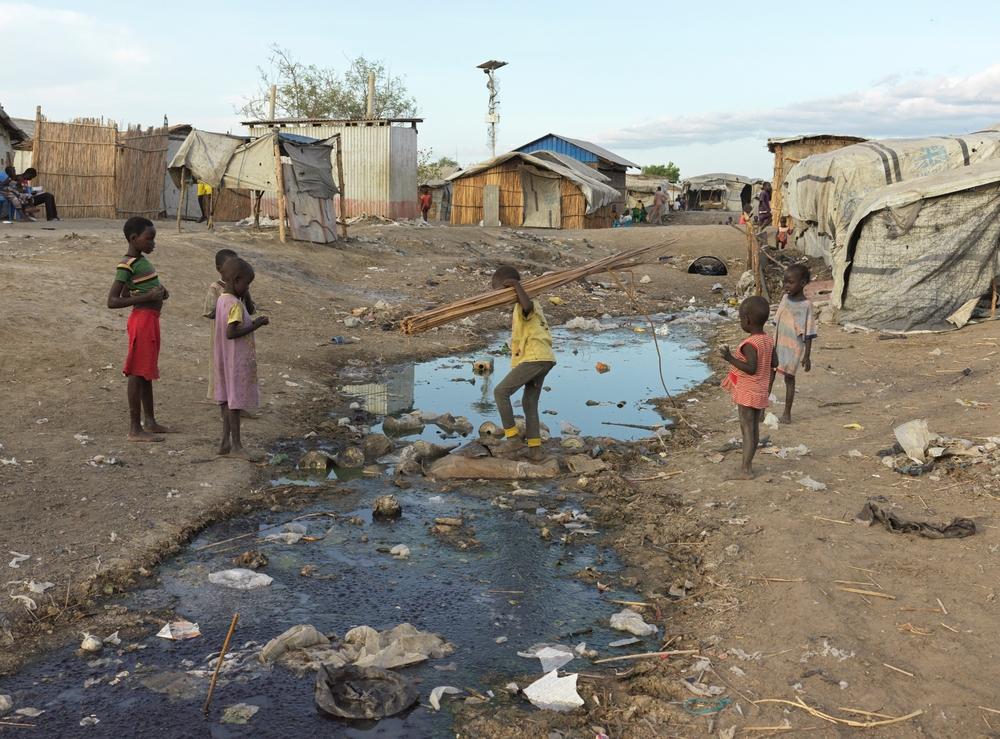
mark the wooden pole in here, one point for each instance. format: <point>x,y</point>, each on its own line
<point>340,185</point>
<point>280,184</point>
<point>993,302</point>
<point>218,664</point>
<point>256,195</point>
<point>211,211</point>
<point>183,198</point>
<point>272,100</point>
<point>35,159</point>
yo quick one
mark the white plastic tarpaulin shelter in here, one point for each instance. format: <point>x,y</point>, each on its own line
<point>823,191</point>
<point>921,255</point>
<point>717,191</point>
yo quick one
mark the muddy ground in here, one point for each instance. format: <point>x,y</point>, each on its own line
<point>765,560</point>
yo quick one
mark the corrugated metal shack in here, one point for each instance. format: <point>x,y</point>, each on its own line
<point>380,160</point>
<point>535,191</point>
<point>607,163</point>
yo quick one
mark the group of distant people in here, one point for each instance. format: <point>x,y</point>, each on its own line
<point>639,214</point>
<point>19,195</point>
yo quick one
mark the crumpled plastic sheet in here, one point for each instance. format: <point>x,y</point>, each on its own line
<point>363,692</point>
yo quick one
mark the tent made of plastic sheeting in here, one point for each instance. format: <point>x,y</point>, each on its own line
<point>823,192</point>
<point>598,194</point>
<point>718,191</point>
<point>921,255</point>
<point>205,156</point>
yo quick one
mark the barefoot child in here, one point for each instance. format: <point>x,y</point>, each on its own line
<point>235,355</point>
<point>531,359</point>
<point>137,286</point>
<point>796,329</point>
<point>750,380</point>
<point>211,298</point>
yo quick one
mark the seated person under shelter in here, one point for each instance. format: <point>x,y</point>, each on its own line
<point>32,199</point>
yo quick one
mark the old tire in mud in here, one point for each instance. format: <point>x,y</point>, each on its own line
<point>363,692</point>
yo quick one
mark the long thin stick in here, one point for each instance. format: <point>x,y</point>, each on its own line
<point>266,528</point>
<point>340,186</point>
<point>644,655</point>
<point>872,593</point>
<point>799,703</point>
<point>279,177</point>
<point>218,664</point>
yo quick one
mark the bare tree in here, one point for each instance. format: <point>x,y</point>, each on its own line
<point>311,91</point>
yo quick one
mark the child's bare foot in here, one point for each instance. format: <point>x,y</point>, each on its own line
<point>156,428</point>
<point>224,450</point>
<point>144,436</point>
<point>785,418</point>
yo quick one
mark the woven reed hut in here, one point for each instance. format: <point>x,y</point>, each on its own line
<point>791,150</point>
<point>517,189</point>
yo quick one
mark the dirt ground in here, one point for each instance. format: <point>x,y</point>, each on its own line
<point>765,561</point>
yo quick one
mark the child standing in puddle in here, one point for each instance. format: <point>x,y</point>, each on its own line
<point>750,380</point>
<point>531,359</point>
<point>796,329</point>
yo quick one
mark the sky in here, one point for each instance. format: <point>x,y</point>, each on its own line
<point>702,85</point>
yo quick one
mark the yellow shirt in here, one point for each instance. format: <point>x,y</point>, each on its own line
<point>530,339</point>
<point>235,313</point>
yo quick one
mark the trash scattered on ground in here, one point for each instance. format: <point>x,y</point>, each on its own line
<point>810,484</point>
<point>29,712</point>
<point>708,266</point>
<point>630,621</point>
<point>552,656</point>
<point>102,460</point>
<point>645,280</point>
<point>400,551</point>
<point>6,703</point>
<point>179,630</point>
<point>363,692</point>
<point>315,459</point>
<point>38,588</point>
<point>914,438</point>
<point>771,421</point>
<point>624,642</point>
<point>300,636</point>
<point>854,427</point>
<point>18,559</point>
<point>581,464</point>
<point>602,368</point>
<point>239,714</point>
<point>790,452</point>
<point>592,325</point>
<point>251,560</point>
<point>554,693</point>
<point>873,513</point>
<point>404,425</point>
<point>91,643</point>
<point>290,533</point>
<point>438,692</point>
<point>240,579</point>
<point>386,507</point>
<point>699,688</point>
<point>90,720</point>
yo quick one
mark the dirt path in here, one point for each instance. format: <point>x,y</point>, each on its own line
<point>91,530</point>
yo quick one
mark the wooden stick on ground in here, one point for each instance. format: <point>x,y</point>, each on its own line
<point>458,310</point>
<point>645,655</point>
<point>218,663</point>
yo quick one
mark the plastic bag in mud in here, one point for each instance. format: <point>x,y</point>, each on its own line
<point>455,467</point>
<point>363,692</point>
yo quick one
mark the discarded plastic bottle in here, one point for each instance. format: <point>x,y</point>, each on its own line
<point>341,340</point>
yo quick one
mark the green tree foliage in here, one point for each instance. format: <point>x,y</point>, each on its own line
<point>311,91</point>
<point>430,169</point>
<point>670,171</point>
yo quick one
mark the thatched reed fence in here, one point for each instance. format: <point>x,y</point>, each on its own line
<point>467,199</point>
<point>97,171</point>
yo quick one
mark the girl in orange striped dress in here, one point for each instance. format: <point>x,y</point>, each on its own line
<point>750,380</point>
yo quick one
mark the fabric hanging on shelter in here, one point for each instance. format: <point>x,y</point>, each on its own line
<point>252,166</point>
<point>542,200</point>
<point>309,218</point>
<point>896,524</point>
<point>313,169</point>
<point>921,254</point>
<point>205,156</point>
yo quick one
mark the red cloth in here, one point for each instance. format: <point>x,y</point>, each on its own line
<point>752,390</point>
<point>425,201</point>
<point>143,344</point>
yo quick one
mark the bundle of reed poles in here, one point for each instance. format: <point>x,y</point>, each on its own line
<point>458,310</point>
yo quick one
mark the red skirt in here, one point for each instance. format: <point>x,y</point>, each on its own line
<point>143,344</point>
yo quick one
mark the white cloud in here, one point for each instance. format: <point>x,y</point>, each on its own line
<point>893,106</point>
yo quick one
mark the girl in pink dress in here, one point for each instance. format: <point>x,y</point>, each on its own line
<point>235,366</point>
<point>750,380</point>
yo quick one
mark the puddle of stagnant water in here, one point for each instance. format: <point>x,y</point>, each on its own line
<point>514,585</point>
<point>624,393</point>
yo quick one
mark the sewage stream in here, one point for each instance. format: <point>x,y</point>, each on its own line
<point>507,589</point>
